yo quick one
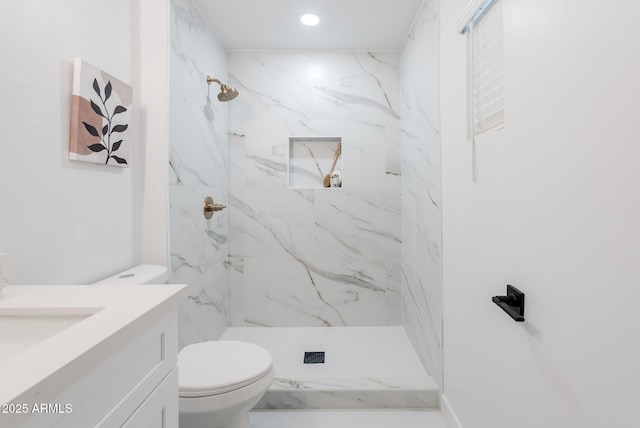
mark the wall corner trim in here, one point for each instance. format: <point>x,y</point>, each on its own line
<point>448,414</point>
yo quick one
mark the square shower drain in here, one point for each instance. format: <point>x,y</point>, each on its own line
<point>314,358</point>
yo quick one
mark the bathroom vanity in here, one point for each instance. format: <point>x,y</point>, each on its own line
<point>85,356</point>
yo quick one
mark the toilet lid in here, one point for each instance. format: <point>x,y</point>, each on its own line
<point>211,368</point>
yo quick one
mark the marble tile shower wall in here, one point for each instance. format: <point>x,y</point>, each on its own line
<point>315,257</point>
<point>198,157</point>
<point>421,194</point>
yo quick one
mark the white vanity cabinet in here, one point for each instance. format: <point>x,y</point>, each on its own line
<point>117,368</point>
<point>136,386</point>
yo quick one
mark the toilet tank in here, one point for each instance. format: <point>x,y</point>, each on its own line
<point>141,274</point>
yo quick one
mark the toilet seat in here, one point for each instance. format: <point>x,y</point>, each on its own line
<point>217,367</point>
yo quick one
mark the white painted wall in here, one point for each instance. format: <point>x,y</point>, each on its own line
<point>554,212</point>
<point>152,59</point>
<point>61,221</point>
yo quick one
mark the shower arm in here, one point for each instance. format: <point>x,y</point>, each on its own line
<point>211,79</point>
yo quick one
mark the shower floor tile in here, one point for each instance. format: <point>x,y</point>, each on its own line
<point>346,419</point>
<point>353,352</point>
<point>364,368</point>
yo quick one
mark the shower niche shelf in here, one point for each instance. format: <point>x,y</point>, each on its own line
<point>310,159</point>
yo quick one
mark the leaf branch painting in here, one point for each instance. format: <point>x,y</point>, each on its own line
<point>109,129</point>
<point>100,117</point>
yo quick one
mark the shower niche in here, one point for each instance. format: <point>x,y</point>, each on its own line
<point>312,161</point>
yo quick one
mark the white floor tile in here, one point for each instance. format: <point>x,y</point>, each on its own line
<point>346,419</point>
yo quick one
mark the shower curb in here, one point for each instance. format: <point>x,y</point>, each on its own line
<point>351,393</point>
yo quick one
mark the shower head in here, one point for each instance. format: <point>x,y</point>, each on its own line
<point>226,93</point>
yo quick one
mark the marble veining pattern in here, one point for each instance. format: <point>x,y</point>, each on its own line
<point>380,398</point>
<point>421,203</point>
<point>315,257</point>
<point>198,166</point>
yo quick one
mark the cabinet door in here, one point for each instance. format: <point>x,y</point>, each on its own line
<point>160,410</point>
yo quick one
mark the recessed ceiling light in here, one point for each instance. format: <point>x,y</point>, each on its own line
<point>309,19</point>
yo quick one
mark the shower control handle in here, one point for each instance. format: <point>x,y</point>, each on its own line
<point>209,207</point>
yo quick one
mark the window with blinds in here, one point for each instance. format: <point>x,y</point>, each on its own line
<point>483,23</point>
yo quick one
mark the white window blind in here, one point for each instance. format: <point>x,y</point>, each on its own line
<point>484,26</point>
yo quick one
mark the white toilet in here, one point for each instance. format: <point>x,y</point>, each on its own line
<point>220,381</point>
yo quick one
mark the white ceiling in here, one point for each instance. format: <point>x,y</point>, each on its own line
<point>351,25</point>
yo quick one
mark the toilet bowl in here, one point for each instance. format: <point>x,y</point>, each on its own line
<point>220,382</point>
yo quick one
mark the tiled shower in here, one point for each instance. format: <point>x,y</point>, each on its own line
<point>363,255</point>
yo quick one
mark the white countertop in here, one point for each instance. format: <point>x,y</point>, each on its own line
<point>121,312</point>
